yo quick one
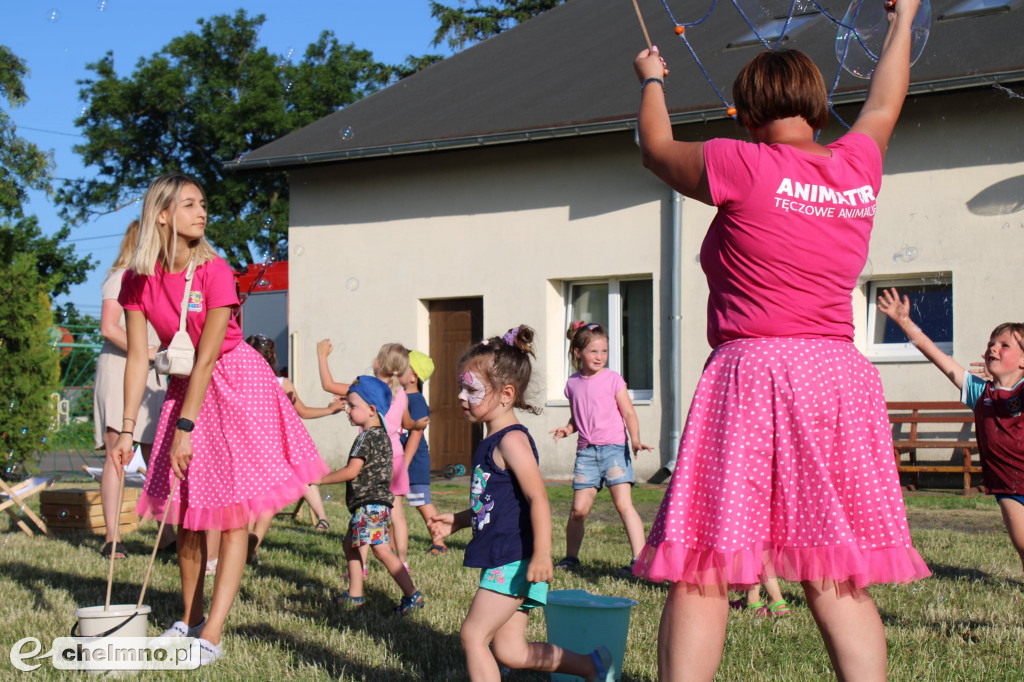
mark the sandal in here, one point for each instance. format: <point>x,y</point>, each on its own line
<point>109,548</point>
<point>322,524</point>
<point>568,562</point>
<point>437,550</point>
<point>348,601</point>
<point>779,608</point>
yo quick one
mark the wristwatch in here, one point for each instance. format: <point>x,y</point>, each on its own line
<point>185,425</point>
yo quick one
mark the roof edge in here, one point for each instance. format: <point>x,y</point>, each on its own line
<point>579,130</point>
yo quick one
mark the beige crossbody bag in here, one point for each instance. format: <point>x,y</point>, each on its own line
<point>178,358</point>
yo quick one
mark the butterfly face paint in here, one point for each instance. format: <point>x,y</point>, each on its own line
<point>473,390</point>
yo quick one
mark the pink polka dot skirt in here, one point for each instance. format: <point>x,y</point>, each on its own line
<point>785,469</point>
<point>252,456</point>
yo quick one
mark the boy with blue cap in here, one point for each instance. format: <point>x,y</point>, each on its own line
<point>367,476</point>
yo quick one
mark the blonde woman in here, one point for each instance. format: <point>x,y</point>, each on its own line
<point>227,432</point>
<point>108,394</point>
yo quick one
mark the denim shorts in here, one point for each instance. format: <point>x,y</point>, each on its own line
<point>1007,496</point>
<point>601,465</point>
<point>511,579</point>
<point>369,525</point>
<point>419,495</point>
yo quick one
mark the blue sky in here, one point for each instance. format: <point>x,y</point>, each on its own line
<point>57,38</point>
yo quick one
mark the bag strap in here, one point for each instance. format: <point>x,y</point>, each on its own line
<point>188,289</point>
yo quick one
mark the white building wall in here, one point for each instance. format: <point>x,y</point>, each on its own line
<point>511,223</point>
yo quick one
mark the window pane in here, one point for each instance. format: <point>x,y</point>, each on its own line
<point>638,334</point>
<point>931,309</point>
<point>590,303</point>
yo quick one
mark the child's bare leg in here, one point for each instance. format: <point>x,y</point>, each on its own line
<point>622,496</point>
<point>582,501</point>
<point>771,586</point>
<point>692,632</point>
<point>400,529</point>
<point>110,483</point>
<point>312,498</point>
<point>851,628</point>
<point>260,528</point>
<point>753,595</point>
<point>511,649</point>
<point>429,511</point>
<point>355,566</point>
<point>395,568</point>
<point>1013,519</point>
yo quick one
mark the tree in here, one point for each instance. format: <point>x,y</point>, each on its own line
<point>460,26</point>
<point>29,366</point>
<point>206,97</point>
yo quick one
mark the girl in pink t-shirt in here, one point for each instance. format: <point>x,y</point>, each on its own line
<point>228,435</point>
<point>599,406</point>
<point>785,465</point>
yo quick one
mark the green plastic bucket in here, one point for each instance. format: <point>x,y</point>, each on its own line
<point>581,622</point>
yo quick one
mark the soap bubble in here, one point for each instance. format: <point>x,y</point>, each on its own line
<point>696,259</point>
<point>352,284</point>
<point>327,498</point>
<point>53,15</point>
<point>268,221</point>
<point>299,250</point>
<point>101,5</point>
<point>865,274</point>
<point>905,254</point>
<point>346,133</point>
<point>24,430</point>
<point>63,513</point>
<point>241,157</point>
<point>288,85</point>
<point>858,49</point>
<point>340,346</point>
<point>263,283</point>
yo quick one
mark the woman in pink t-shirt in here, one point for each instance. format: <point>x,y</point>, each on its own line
<point>785,466</point>
<point>602,413</point>
<point>227,432</point>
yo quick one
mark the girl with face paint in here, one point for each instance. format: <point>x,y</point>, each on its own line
<point>511,520</point>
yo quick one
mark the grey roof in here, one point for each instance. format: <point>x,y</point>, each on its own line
<point>569,72</point>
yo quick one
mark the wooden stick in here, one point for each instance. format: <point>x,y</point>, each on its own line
<point>113,545</point>
<point>643,27</point>
<point>156,545</point>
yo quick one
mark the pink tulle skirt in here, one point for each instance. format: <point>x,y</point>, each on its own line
<point>785,469</point>
<point>252,456</point>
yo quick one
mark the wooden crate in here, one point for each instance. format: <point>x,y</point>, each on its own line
<point>79,510</point>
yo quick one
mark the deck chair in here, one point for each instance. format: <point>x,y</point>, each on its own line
<point>13,500</point>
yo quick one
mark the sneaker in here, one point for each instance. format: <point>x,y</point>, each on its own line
<point>604,664</point>
<point>568,562</point>
<point>628,570</point>
<point>183,629</point>
<point>348,601</point>
<point>412,602</point>
<point>208,653</point>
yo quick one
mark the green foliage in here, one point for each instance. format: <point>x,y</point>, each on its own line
<point>29,366</point>
<point>58,265</point>
<point>460,26</point>
<point>206,97</point>
<point>23,166</point>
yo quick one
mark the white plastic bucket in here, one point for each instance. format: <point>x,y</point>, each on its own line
<point>581,622</point>
<point>121,620</point>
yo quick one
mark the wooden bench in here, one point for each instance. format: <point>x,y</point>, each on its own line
<point>908,438</point>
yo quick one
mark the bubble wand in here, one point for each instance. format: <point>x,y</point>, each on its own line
<point>643,26</point>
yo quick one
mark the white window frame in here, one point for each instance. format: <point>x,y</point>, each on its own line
<point>898,352</point>
<point>614,327</point>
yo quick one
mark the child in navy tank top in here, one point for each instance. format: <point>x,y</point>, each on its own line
<point>511,521</point>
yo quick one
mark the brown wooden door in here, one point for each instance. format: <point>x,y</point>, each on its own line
<point>455,325</point>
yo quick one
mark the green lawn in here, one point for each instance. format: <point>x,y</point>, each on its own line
<point>965,623</point>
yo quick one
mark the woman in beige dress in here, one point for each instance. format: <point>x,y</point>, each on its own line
<point>108,394</point>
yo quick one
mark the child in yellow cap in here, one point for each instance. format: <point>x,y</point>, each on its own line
<point>417,453</point>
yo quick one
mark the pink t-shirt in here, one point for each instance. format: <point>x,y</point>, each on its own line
<point>393,422</point>
<point>783,254</point>
<point>594,408</point>
<point>158,296</point>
